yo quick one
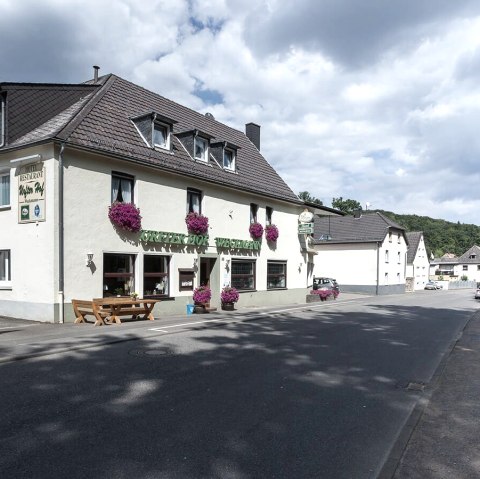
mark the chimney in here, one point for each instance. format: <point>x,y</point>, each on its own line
<point>252,130</point>
<point>357,214</point>
<point>95,73</point>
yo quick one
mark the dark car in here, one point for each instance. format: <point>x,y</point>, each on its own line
<point>477,293</point>
<point>325,283</point>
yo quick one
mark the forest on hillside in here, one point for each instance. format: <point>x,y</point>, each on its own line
<point>440,236</point>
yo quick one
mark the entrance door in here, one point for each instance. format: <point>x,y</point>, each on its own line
<point>206,267</point>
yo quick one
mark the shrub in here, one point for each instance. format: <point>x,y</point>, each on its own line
<point>125,216</point>
<point>196,223</point>
<point>256,230</point>
<point>229,295</point>
<point>202,294</point>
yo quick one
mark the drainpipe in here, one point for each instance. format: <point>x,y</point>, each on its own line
<point>61,293</point>
<point>378,268</point>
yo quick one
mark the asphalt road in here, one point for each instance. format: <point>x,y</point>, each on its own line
<point>312,392</point>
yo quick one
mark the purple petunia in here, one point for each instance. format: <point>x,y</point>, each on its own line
<point>256,230</point>
<point>125,216</point>
<point>197,223</point>
<point>202,294</point>
<point>271,233</point>
<point>229,295</point>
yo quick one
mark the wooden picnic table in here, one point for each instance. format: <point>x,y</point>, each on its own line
<point>112,308</point>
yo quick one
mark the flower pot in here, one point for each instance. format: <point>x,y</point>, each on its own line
<point>200,309</point>
<point>228,306</point>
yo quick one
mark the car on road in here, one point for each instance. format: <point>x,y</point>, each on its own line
<point>477,293</point>
<point>325,283</point>
<point>433,285</point>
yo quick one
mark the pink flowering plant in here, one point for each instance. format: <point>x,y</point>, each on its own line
<point>256,230</point>
<point>125,216</point>
<point>202,295</point>
<point>325,293</point>
<point>271,233</point>
<point>196,223</point>
<point>229,295</point>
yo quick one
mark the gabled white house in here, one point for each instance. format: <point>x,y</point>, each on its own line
<point>418,264</point>
<point>365,253</point>
<point>453,267</point>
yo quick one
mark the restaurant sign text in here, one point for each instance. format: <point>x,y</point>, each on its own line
<point>31,193</point>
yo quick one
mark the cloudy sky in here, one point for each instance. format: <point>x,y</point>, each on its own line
<point>369,100</point>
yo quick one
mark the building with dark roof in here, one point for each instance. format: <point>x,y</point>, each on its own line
<point>365,252</point>
<point>69,152</point>
<point>418,264</point>
<point>452,267</point>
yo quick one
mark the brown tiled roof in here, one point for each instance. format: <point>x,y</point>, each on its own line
<point>102,122</point>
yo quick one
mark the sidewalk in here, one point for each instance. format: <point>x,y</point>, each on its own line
<point>445,443</point>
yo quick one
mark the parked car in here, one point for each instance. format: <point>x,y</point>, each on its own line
<point>325,283</point>
<point>431,285</point>
<point>477,293</point>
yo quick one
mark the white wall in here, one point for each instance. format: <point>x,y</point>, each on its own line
<point>420,268</point>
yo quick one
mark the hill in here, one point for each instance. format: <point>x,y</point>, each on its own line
<point>440,236</point>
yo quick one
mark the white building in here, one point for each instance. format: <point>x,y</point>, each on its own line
<point>365,253</point>
<point>418,264</point>
<point>451,267</point>
<point>68,151</point>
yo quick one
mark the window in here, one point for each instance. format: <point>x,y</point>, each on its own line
<point>122,188</point>
<point>386,256</point>
<point>276,274</point>
<point>160,135</point>
<point>228,159</point>
<point>398,238</point>
<point>200,148</point>
<point>243,274</point>
<point>268,215</point>
<point>156,275</point>
<point>253,212</point>
<point>398,257</point>
<point>472,256</point>
<point>194,201</point>
<point>5,189</point>
<point>390,236</point>
<point>2,120</point>
<point>5,274</point>
<point>478,267</point>
<point>386,277</point>
<point>118,274</point>
<point>465,267</point>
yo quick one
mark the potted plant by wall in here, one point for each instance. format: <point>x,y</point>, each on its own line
<point>125,216</point>
<point>271,233</point>
<point>256,230</point>
<point>229,296</point>
<point>196,223</point>
<point>201,297</point>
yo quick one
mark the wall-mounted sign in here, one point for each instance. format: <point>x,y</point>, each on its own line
<point>166,237</point>
<point>305,216</point>
<point>305,228</point>
<point>228,243</point>
<point>31,193</point>
<point>185,279</point>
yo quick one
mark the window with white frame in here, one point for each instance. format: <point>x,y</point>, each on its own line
<point>5,188</point>
<point>398,257</point>
<point>118,274</point>
<point>122,187</point>
<point>156,281</point>
<point>253,212</point>
<point>268,215</point>
<point>386,256</point>
<point>243,274</point>
<point>200,148</point>
<point>228,159</point>
<point>5,271</point>
<point>276,274</point>
<point>2,120</point>
<point>194,201</point>
<point>161,135</point>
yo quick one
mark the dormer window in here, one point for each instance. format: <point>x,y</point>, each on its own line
<point>161,135</point>
<point>155,129</point>
<point>201,148</point>
<point>229,159</point>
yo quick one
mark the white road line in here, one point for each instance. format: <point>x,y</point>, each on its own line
<point>12,327</point>
<point>187,324</point>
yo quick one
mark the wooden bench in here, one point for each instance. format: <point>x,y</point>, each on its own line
<point>113,308</point>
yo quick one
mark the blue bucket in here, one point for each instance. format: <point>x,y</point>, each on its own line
<point>190,308</point>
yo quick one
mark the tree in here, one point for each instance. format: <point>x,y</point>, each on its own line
<point>347,206</point>
<point>306,196</point>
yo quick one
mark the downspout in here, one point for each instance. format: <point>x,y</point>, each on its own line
<point>378,268</point>
<point>61,276</point>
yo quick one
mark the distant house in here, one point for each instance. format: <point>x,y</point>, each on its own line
<point>365,253</point>
<point>418,264</point>
<point>455,267</point>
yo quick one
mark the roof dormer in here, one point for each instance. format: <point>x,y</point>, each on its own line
<point>225,154</point>
<point>155,129</point>
<point>196,143</point>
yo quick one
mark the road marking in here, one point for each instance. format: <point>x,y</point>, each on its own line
<point>187,324</point>
<point>309,307</point>
<point>13,327</point>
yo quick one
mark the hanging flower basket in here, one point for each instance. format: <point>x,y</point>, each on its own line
<point>256,230</point>
<point>202,295</point>
<point>271,233</point>
<point>125,216</point>
<point>196,223</point>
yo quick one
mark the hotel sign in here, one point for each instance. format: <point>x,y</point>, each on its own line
<point>31,193</point>
<point>305,228</point>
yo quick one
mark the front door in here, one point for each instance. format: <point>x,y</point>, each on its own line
<point>209,276</point>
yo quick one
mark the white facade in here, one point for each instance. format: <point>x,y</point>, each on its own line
<point>420,268</point>
<point>34,291</point>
